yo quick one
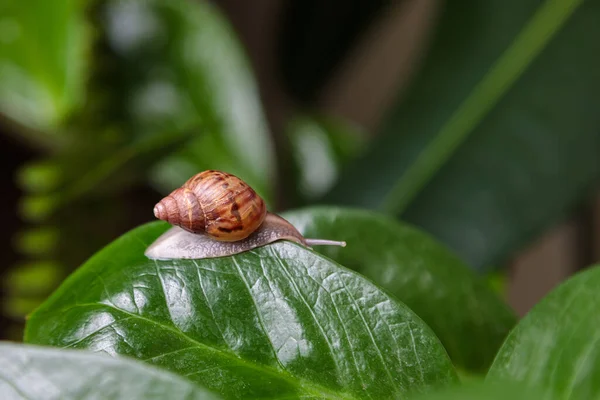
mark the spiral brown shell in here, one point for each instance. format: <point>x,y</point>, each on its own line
<point>216,203</point>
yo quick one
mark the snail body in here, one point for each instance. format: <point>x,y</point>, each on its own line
<point>217,214</point>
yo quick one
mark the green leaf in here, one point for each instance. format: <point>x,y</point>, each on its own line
<point>31,372</point>
<point>555,347</point>
<point>37,208</point>
<point>280,321</point>
<point>496,138</point>
<point>16,306</point>
<point>470,320</point>
<point>38,241</point>
<point>39,176</point>
<point>42,60</point>
<point>482,391</point>
<point>34,278</point>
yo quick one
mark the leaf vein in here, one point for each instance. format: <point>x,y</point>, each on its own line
<point>370,332</point>
<point>212,313</point>
<point>312,313</point>
<point>258,313</point>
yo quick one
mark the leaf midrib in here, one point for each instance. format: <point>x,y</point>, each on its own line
<point>503,74</point>
<point>312,388</point>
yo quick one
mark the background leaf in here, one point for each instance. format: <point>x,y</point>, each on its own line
<point>321,147</point>
<point>212,68</point>
<point>497,137</point>
<point>31,372</point>
<point>555,347</point>
<point>275,322</point>
<point>42,61</point>
<point>467,316</point>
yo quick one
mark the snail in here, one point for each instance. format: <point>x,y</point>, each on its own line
<point>217,214</point>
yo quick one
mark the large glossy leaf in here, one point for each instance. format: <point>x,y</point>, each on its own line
<point>467,316</point>
<point>279,321</point>
<point>482,391</point>
<point>497,136</point>
<point>31,372</point>
<point>42,60</point>
<point>556,346</point>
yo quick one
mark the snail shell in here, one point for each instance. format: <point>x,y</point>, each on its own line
<point>216,203</point>
<point>217,214</point>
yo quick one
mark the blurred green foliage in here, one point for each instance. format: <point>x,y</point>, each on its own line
<point>321,145</point>
<point>44,62</point>
<point>498,136</point>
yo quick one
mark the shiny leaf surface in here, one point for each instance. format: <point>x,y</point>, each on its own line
<point>42,60</point>
<point>31,372</point>
<point>279,321</point>
<point>555,347</point>
<point>467,316</point>
<point>482,391</point>
<point>496,139</point>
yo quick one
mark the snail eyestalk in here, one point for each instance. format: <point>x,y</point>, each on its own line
<point>324,242</point>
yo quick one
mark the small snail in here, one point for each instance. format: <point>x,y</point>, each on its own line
<point>217,214</point>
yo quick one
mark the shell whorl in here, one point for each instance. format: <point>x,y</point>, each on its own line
<point>183,209</point>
